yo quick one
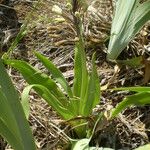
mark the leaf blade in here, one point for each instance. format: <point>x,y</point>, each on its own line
<point>80,70</point>
<point>125,26</point>
<point>49,98</point>
<point>138,99</point>
<point>56,73</point>
<point>92,97</point>
<point>23,130</point>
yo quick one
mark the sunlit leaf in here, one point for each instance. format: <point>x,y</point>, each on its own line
<point>138,99</point>
<point>50,99</point>
<point>129,18</point>
<point>35,76</point>
<point>56,73</point>
<point>134,89</point>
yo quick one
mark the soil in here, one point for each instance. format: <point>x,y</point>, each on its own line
<point>56,41</point>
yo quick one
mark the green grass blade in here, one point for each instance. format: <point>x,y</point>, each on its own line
<point>80,70</point>
<point>12,97</point>
<point>8,122</point>
<point>49,98</point>
<point>138,99</point>
<point>35,76</point>
<point>134,89</point>
<point>56,73</point>
<point>92,97</point>
<point>77,74</point>
<point>122,15</point>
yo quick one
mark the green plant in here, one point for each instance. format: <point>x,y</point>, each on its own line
<point>74,104</point>
<point>142,97</point>
<point>13,124</point>
<point>130,16</point>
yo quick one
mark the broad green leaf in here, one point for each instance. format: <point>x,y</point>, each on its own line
<point>124,10</point>
<point>10,136</point>
<point>138,99</point>
<point>92,97</point>
<point>49,98</point>
<point>7,115</point>
<point>56,73</point>
<point>129,18</point>
<point>77,74</point>
<point>18,121</point>
<point>35,76</point>
<point>145,147</point>
<point>80,70</point>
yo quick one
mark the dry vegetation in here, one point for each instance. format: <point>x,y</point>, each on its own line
<point>56,41</point>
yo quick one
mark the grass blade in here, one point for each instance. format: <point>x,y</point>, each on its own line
<point>40,82</point>
<point>138,99</point>
<point>56,73</point>
<point>25,101</point>
<point>80,70</point>
<point>134,89</point>
<point>50,99</point>
<point>35,76</point>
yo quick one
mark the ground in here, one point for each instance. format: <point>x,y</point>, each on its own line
<point>56,41</point>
